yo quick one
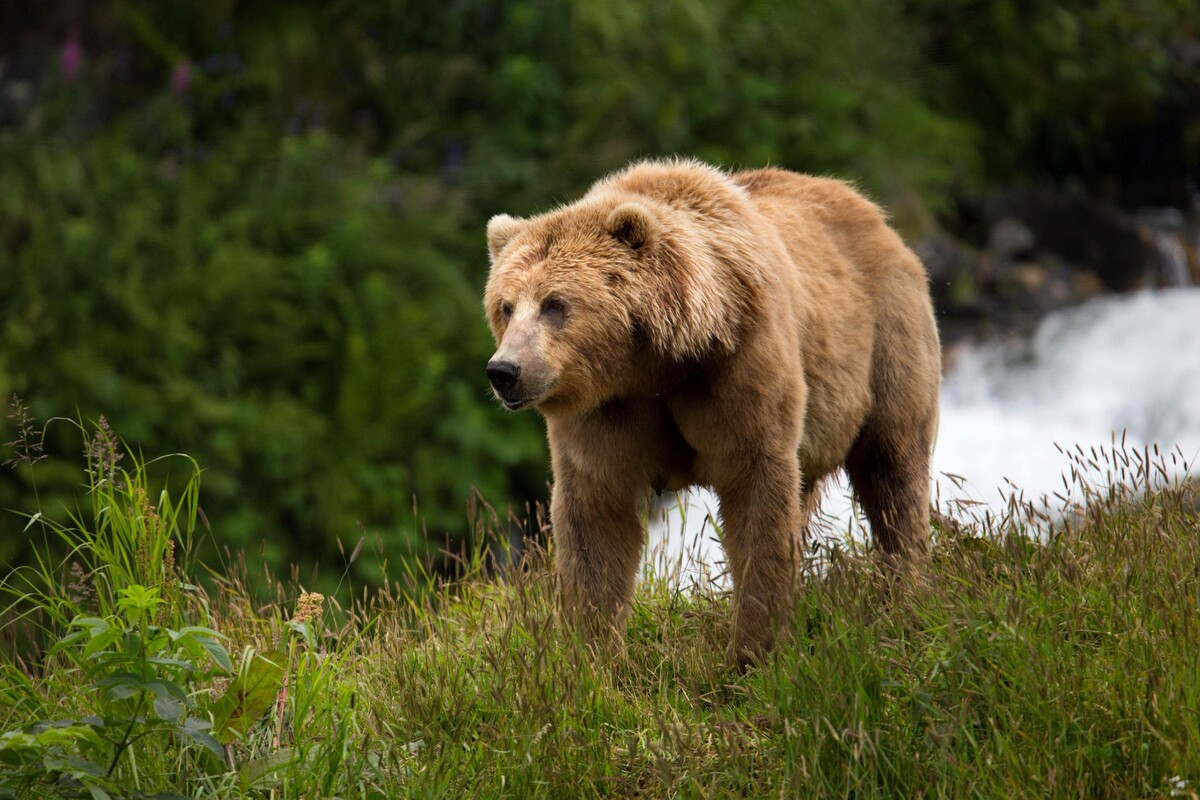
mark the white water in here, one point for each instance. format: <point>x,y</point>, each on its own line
<point>1128,364</point>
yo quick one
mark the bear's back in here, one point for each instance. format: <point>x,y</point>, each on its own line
<point>852,224</point>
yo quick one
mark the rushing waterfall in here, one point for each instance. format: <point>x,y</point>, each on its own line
<point>1164,226</point>
<point>1119,366</point>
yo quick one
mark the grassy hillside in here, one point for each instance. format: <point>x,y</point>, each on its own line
<point>1023,669</point>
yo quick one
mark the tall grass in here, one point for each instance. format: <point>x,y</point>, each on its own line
<point>1040,659</point>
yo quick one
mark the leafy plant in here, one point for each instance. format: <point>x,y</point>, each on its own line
<point>1056,88</point>
<point>139,677</point>
<point>137,682</point>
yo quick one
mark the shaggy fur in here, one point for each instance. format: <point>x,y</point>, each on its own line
<point>751,332</point>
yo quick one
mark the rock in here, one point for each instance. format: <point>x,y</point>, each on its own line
<point>1086,285</point>
<point>1032,278</point>
<point>1010,239</point>
<point>1084,232</point>
<point>1042,250</point>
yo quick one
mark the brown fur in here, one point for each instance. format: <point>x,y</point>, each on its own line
<point>751,332</point>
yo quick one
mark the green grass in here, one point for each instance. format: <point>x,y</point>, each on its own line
<point>1066,666</point>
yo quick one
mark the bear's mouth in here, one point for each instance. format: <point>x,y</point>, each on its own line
<point>514,405</point>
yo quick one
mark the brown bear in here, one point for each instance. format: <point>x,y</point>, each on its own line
<point>751,332</point>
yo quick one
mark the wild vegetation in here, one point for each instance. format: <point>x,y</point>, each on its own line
<point>1059,665</point>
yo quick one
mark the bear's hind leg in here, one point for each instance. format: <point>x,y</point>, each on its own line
<point>890,476</point>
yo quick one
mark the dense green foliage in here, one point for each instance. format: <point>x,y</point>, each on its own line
<point>319,351</point>
<point>253,231</point>
<point>1060,87</point>
<point>1063,668</point>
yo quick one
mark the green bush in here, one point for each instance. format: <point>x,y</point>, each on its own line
<point>262,306</point>
<point>1057,87</point>
<point>147,700</point>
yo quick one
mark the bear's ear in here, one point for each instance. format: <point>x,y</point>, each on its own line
<point>500,231</point>
<point>630,224</point>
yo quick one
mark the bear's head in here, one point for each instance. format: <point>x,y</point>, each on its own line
<point>582,301</point>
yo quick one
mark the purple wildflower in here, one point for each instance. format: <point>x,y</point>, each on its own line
<point>70,59</point>
<point>181,76</point>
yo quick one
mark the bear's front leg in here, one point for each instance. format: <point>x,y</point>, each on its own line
<point>762,538</point>
<point>598,542</point>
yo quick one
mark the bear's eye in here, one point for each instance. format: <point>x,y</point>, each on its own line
<point>506,310</point>
<point>554,307</point>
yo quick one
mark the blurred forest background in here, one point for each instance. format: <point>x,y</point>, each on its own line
<point>254,232</point>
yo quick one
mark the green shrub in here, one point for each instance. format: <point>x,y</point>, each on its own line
<point>262,307</point>
<point>115,691</point>
<point>1055,88</point>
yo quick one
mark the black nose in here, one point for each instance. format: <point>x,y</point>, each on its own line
<point>503,375</point>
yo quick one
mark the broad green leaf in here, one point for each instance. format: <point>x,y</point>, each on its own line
<point>95,625</point>
<point>167,708</point>
<point>196,630</point>
<point>305,629</point>
<point>198,730</point>
<point>91,627</point>
<point>163,661</point>
<point>198,640</point>
<point>169,700</point>
<point>156,643</point>
<point>249,695</point>
<point>67,641</point>
<point>217,652</point>
<point>122,685</point>
<point>100,641</point>
<point>14,744</point>
<point>68,733</point>
<point>262,771</point>
<point>76,767</point>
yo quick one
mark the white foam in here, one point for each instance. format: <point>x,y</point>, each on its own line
<point>1125,365</point>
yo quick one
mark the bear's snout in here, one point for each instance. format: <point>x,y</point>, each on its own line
<point>503,376</point>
